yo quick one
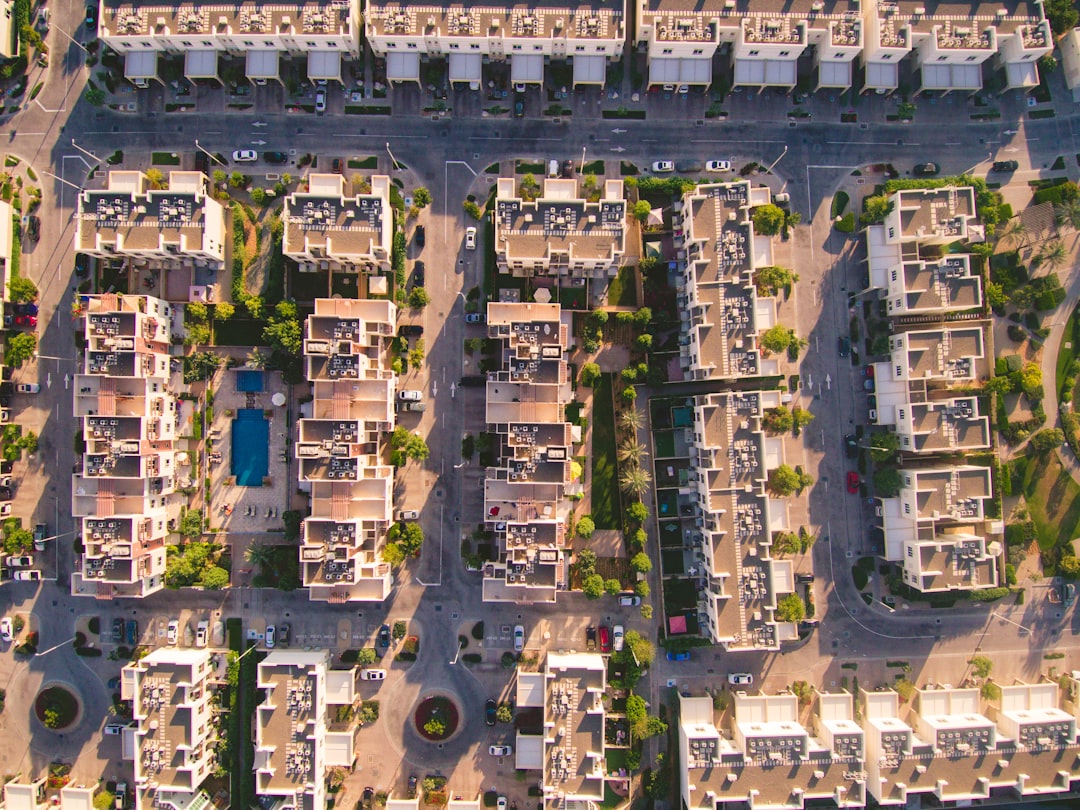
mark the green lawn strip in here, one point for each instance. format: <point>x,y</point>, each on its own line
<point>239,332</point>
<point>1067,352</point>
<point>622,292</point>
<point>370,162</point>
<point>165,159</point>
<point>1053,498</point>
<point>605,483</point>
<point>16,247</point>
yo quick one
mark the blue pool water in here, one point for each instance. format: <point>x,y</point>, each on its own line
<point>682,417</point>
<point>250,447</point>
<point>249,381</point>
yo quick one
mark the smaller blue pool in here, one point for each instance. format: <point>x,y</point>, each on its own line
<point>250,447</point>
<point>682,417</point>
<point>249,381</point>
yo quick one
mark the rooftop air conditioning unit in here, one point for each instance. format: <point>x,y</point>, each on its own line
<point>920,10</point>
<point>729,4</point>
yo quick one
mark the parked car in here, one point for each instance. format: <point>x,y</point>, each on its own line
<point>852,482</point>
<point>605,639</point>
<point>718,166</point>
<point>320,100</point>
<point>412,786</point>
<point>410,395</point>
<point>200,633</point>
<point>410,330</point>
<point>926,170</point>
<point>113,729</point>
<point>412,406</point>
<point>629,601</point>
<point>804,579</point>
<point>117,630</point>
<point>408,514</point>
<point>276,157</point>
<point>500,803</point>
<point>24,561</point>
<point>500,750</point>
<point>418,276</point>
<point>1070,594</point>
<point>470,238</point>
<point>271,636</point>
<point>420,236</point>
<point>590,638</point>
<point>689,166</point>
<point>617,638</point>
<point>519,106</point>
<point>367,798</point>
<point>490,708</point>
<point>121,795</point>
<point>7,629</point>
<point>1005,166</point>
<point>172,633</point>
<point>567,169</point>
<point>845,346</point>
<point>384,636</point>
<point>663,167</point>
<point>91,16</point>
<point>33,227</point>
<point>32,575</point>
<point>28,388</point>
<point>519,637</point>
<point>283,632</point>
<point>26,321</point>
<point>851,447</point>
<point>740,679</point>
<point>131,632</point>
<point>474,317</point>
<point>41,534</point>
<point>82,265</point>
<point>869,385</point>
<point>336,166</point>
<point>681,655</point>
<point>245,156</point>
<point>373,674</point>
<point>217,634</point>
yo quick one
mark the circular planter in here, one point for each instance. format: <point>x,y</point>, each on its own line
<point>438,708</point>
<point>57,707</point>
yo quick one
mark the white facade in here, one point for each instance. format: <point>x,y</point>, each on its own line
<point>327,227</point>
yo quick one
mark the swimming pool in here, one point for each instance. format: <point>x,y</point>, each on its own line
<point>250,447</point>
<point>249,381</point>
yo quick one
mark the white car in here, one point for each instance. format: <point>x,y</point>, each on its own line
<point>173,631</point>
<point>629,601</point>
<point>519,637</point>
<point>113,729</point>
<point>320,100</point>
<point>663,167</point>
<point>408,514</point>
<point>410,395</point>
<point>373,674</point>
<point>7,629</point>
<point>501,750</point>
<point>23,561</point>
<point>245,156</point>
<point>718,165</point>
<point>501,803</point>
<point>271,636</point>
<point>200,633</point>
<point>740,679</point>
<point>28,388</point>
<point>470,238</point>
<point>27,576</point>
<point>617,638</point>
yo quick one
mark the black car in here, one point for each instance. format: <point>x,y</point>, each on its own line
<point>590,638</point>
<point>283,631</point>
<point>412,786</point>
<point>519,106</point>
<point>689,166</point>
<point>367,798</point>
<point>1005,166</point>
<point>384,636</point>
<point>117,630</point>
<point>276,157</point>
<point>82,265</point>
<point>421,237</point>
<point>33,227</point>
<point>473,381</point>
<point>804,579</point>
<point>26,309</point>
<point>418,274</point>
<point>6,493</point>
<point>845,346</point>
<point>411,330</point>
<point>926,170</point>
<point>131,632</point>
<point>336,166</point>
<point>567,169</point>
<point>851,447</point>
<point>490,708</point>
<point>91,16</point>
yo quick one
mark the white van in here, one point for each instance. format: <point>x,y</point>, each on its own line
<point>553,168</point>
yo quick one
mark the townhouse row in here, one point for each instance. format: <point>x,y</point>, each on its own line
<point>875,44</point>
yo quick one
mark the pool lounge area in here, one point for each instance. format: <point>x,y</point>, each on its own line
<point>250,447</point>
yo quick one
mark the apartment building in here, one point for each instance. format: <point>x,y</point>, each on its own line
<point>763,44</point>
<point>293,744</point>
<point>948,748</point>
<point>124,493</point>
<point>949,356</point>
<point>324,32</point>
<point>329,228</point>
<point>729,553</point>
<point>562,233</point>
<point>174,737</point>
<point>721,314</point>
<point>181,223</point>
<point>586,35</point>
<point>524,493</point>
<point>570,750</point>
<point>32,795</point>
<point>1069,46</point>
<point>936,529</point>
<point>951,46</point>
<point>937,426</point>
<point>339,452</point>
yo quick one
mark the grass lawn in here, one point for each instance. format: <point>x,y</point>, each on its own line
<point>239,332</point>
<point>594,167</point>
<point>308,286</point>
<point>1053,498</point>
<point>679,595</point>
<point>1065,354</point>
<point>571,297</point>
<point>363,163</point>
<point>622,292</point>
<point>165,159</point>
<point>606,508</point>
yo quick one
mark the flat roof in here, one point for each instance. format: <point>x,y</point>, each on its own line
<point>586,20</point>
<point>252,19</point>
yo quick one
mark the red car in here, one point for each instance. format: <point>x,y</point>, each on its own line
<point>605,639</point>
<point>26,320</point>
<point>852,482</point>
<point>870,372</point>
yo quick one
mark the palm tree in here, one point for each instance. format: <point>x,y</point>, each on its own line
<point>1054,254</point>
<point>635,481</point>
<point>631,419</point>
<point>259,554</point>
<point>1067,215</point>
<point>1015,232</point>
<point>255,359</point>
<point>632,452</point>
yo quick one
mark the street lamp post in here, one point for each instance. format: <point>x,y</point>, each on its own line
<point>69,38</point>
<point>771,165</point>
<point>210,155</point>
<point>55,647</point>
<point>89,154</point>
<point>392,158</point>
<point>582,169</point>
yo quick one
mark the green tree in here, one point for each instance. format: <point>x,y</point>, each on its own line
<point>642,317</point>
<point>393,555</point>
<point>419,298</point>
<point>629,395</point>
<point>435,728</point>
<point>104,800</point>
<point>586,562</point>
<point>94,95</point>
<point>995,295</point>
<point>422,197</point>
<point>801,416</point>
<point>155,178</point>
<point>416,353</point>
<point>641,588</point>
<point>875,209</point>
<point>883,446</point>
<point>777,339</point>
<point>1062,14</point>
<point>641,563</point>
<point>17,540</point>
<point>585,528</point>
<point>641,648</point>
<point>1054,254</point>
<point>1048,439</point>
<point>416,448</point>
<point>783,480</point>
<point>1014,232</point>
<point>1069,567</point>
<point>224,311</point>
<point>1031,381</point>
<point>473,210</point>
<point>643,342</point>
<point>191,524</point>
<point>632,452</point>
<point>641,211</point>
<point>220,176</point>
<point>639,538</point>
<point>22,290</point>
<point>590,373</point>
<point>999,385</point>
<point>20,348</point>
<point>195,312</point>
<point>283,331</point>
<point>637,512</point>
<point>52,717</point>
<point>238,179</point>
<point>612,587</point>
<point>981,666</point>
<point>791,609</point>
<point>504,714</point>
<point>778,420</point>
<point>593,586</point>
<point>258,196</point>
<point>770,280</point>
<point>634,481</point>
<point>259,554</point>
<point>768,219</point>
<point>1067,215</point>
<point>887,481</point>
<point>215,578</point>
<point>366,656</point>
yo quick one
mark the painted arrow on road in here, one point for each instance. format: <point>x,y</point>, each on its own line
<point>259,143</point>
<point>619,131</point>
<point>453,388</point>
<point>828,381</point>
<point>259,124</point>
<point>617,149</point>
<point>434,388</point>
<point>1009,132</point>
